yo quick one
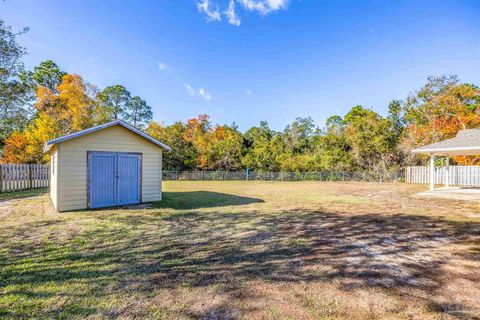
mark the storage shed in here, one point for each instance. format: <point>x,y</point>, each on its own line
<point>108,165</point>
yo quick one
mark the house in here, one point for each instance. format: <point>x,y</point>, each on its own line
<point>466,142</point>
<point>108,165</point>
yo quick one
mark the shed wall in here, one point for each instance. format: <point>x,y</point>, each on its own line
<point>72,165</point>
<point>54,176</point>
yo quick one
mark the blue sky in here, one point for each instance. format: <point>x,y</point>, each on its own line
<point>252,60</point>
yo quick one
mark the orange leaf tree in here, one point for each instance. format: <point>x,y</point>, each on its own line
<point>439,110</point>
<point>69,109</point>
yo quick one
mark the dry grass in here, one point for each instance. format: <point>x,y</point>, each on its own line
<point>256,250</point>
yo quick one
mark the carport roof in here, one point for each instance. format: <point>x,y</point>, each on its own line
<point>49,144</point>
<point>467,142</point>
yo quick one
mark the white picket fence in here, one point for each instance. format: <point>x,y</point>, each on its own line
<point>458,175</point>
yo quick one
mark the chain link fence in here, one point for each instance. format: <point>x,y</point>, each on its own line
<point>394,176</point>
<point>14,177</point>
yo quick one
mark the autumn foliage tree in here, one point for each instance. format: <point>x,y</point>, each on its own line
<point>439,110</point>
<point>62,103</point>
<point>67,109</point>
<point>75,106</point>
<point>15,149</point>
<point>183,156</point>
<point>223,149</point>
<point>197,145</point>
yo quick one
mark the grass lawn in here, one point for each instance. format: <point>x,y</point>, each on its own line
<point>237,250</point>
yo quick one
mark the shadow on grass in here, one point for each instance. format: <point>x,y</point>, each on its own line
<point>202,199</point>
<point>6,196</point>
<point>141,252</point>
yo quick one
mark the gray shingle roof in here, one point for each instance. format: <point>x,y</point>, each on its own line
<point>466,142</point>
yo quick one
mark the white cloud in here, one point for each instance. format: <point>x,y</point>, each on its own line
<point>189,89</point>
<point>212,14</point>
<point>231,15</point>
<point>264,6</point>
<point>205,94</point>
<point>162,66</point>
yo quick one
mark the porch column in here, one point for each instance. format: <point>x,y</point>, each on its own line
<point>432,172</point>
<point>447,173</point>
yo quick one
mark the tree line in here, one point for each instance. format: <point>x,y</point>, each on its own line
<point>47,102</point>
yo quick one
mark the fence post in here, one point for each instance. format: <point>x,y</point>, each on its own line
<point>247,175</point>
<point>1,178</point>
<point>30,177</point>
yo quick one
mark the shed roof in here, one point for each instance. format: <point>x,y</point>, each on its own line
<point>49,144</point>
<point>467,142</point>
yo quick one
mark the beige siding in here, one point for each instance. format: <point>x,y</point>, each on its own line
<point>73,166</point>
<point>54,176</point>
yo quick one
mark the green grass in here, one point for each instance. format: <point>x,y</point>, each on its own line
<point>256,250</point>
<point>5,196</point>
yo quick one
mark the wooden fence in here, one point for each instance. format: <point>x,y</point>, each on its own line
<point>458,175</point>
<point>14,177</point>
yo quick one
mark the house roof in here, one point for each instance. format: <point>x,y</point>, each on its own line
<point>49,144</point>
<point>467,142</point>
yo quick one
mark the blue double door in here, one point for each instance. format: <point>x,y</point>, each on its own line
<point>114,179</point>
